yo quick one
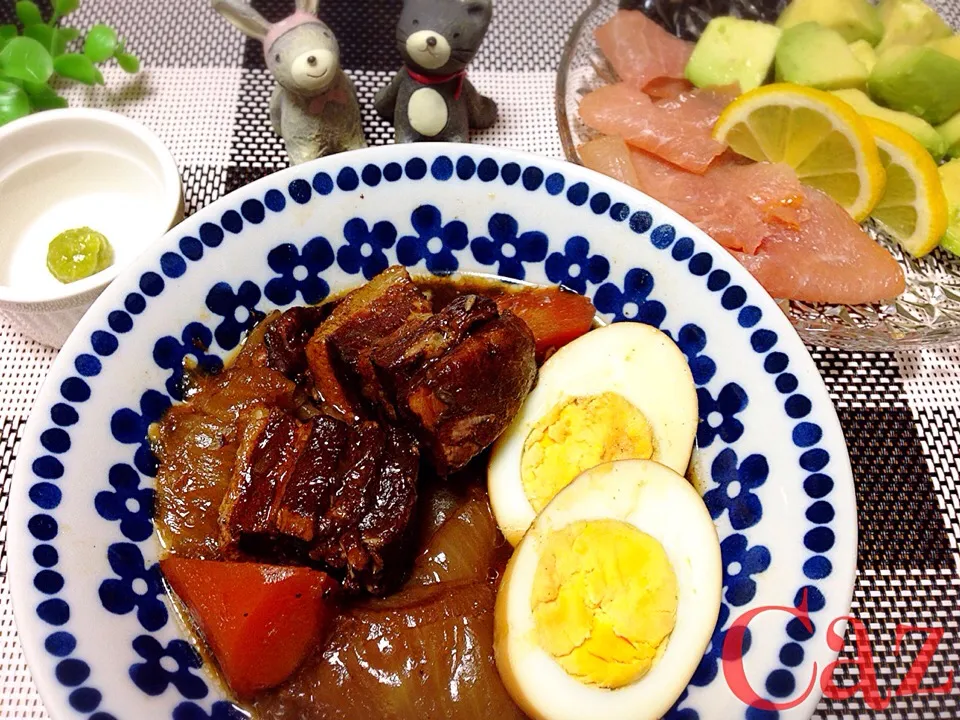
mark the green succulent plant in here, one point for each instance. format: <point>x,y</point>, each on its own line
<point>31,59</point>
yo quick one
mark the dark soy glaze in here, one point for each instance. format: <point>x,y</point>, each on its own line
<point>422,651</point>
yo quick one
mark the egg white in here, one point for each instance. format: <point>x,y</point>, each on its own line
<point>636,361</point>
<point>659,502</point>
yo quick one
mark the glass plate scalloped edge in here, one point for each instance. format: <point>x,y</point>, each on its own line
<point>927,314</point>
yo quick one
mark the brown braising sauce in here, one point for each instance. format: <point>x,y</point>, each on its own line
<point>423,650</point>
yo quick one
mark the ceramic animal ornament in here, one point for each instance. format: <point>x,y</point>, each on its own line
<point>314,104</point>
<point>430,97</point>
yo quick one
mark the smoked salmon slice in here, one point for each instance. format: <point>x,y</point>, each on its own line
<point>829,258</point>
<point>611,156</point>
<point>666,88</point>
<point>795,240</point>
<point>678,128</point>
<point>738,205</point>
<point>700,107</point>
<point>640,50</point>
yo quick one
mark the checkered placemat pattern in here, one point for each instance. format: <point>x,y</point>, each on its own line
<point>205,91</point>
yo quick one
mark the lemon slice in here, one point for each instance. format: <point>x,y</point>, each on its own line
<point>822,138</point>
<point>913,208</point>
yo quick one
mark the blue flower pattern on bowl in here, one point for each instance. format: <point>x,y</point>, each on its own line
<point>434,242</point>
<point>237,308</point>
<point>692,340</point>
<point>575,267</point>
<point>507,248</point>
<point>632,302</point>
<point>134,585</point>
<point>129,426</point>
<point>740,564</point>
<point>735,488</point>
<point>165,666</point>
<point>170,353</point>
<point>299,272</point>
<point>709,664</point>
<point>718,417</point>
<point>127,503</point>
<point>678,712</point>
<point>364,251</point>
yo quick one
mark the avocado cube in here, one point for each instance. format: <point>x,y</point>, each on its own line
<point>922,131</point>
<point>864,52</point>
<point>951,239</point>
<point>948,46</point>
<point>950,179</point>
<point>950,132</point>
<point>853,19</point>
<point>910,22</point>
<point>814,55</point>
<point>733,50</point>
<point>918,80</point>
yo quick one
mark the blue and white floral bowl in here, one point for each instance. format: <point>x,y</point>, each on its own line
<point>99,633</point>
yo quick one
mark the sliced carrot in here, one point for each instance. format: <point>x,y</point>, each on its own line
<point>554,316</point>
<point>260,621</point>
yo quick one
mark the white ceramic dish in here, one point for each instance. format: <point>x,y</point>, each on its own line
<point>72,168</point>
<point>101,636</point>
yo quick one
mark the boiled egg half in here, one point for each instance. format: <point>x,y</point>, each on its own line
<point>623,391</point>
<point>611,598</point>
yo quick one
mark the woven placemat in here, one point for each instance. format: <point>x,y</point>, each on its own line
<point>205,91</point>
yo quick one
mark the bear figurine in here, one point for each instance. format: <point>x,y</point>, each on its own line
<point>314,105</point>
<point>430,98</point>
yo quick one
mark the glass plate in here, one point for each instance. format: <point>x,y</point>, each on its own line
<point>927,314</point>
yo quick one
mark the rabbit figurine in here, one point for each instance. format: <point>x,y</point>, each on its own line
<point>430,97</point>
<point>314,104</point>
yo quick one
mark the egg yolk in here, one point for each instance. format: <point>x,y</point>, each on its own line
<point>577,435</point>
<point>604,601</point>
